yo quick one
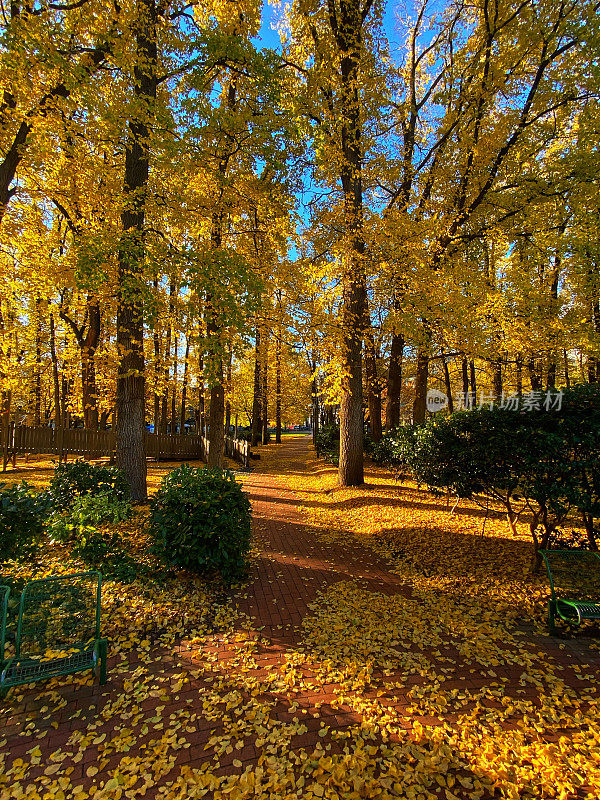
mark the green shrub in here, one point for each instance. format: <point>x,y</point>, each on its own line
<point>86,514</point>
<point>22,518</point>
<point>394,447</point>
<point>327,443</point>
<point>541,462</point>
<point>200,519</point>
<point>86,527</point>
<point>81,478</point>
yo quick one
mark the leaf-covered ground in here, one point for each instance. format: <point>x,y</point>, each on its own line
<point>382,647</point>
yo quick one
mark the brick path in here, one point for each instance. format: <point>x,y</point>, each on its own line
<point>79,739</point>
<point>294,564</point>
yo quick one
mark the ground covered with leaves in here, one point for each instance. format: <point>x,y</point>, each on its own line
<point>381,647</point>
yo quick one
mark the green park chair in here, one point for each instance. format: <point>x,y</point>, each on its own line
<point>57,630</point>
<point>574,577</point>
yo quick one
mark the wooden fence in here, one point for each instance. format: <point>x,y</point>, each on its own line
<point>79,442</point>
<point>238,450</point>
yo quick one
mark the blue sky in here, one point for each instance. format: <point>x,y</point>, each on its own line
<point>270,38</point>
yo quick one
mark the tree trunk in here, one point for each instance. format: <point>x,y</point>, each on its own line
<point>567,374</point>
<point>447,383</point>
<point>465,376</point>
<point>588,521</point>
<point>216,413</point>
<point>394,382</point>
<point>37,367</point>
<point>215,327</point>
<point>88,366</point>
<point>200,425</point>
<point>347,30</point>
<point>165,395</point>
<point>256,426</point>
<point>497,386</point>
<point>314,391</point>
<point>265,388</point>
<point>174,385</point>
<point>551,372</point>
<point>157,367</point>
<point>519,375</point>
<point>594,361</point>
<point>5,391</point>
<point>421,379</point>
<point>553,354</point>
<point>534,376</point>
<point>6,404</point>
<point>229,390</point>
<point>216,430</point>
<point>88,342</point>
<point>184,385</point>
<point>131,382</point>
<point>473,380</point>
<point>373,386</point>
<point>55,375</point>
<point>278,387</point>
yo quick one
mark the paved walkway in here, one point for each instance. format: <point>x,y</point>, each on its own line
<point>210,707</point>
<point>294,564</point>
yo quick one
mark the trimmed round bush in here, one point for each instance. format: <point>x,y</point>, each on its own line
<point>200,519</point>
<point>80,478</point>
<point>22,518</point>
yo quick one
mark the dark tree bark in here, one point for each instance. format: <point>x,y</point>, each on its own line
<point>447,382</point>
<point>164,403</point>
<point>567,372</point>
<point>373,386</point>
<point>214,325</point>
<point>87,337</point>
<point>216,429</point>
<point>594,361</point>
<point>473,380</point>
<point>314,392</point>
<point>553,354</point>
<point>174,384</point>
<point>519,375</point>
<point>534,375</point>
<point>394,382</point>
<point>216,413</point>
<point>55,373</point>
<point>278,383</point>
<point>184,385</point>
<point>256,405</point>
<point>497,385</point>
<point>229,389</point>
<point>465,375</point>
<point>200,424</point>
<point>346,22</point>
<point>37,367</point>
<point>265,388</point>
<point>131,381</point>
<point>157,366</point>
<point>5,391</point>
<point>421,379</point>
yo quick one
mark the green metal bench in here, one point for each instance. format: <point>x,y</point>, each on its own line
<point>574,577</point>
<point>57,631</point>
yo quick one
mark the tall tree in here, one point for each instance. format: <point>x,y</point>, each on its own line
<point>131,380</point>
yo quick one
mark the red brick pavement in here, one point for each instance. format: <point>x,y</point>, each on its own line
<point>294,563</point>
